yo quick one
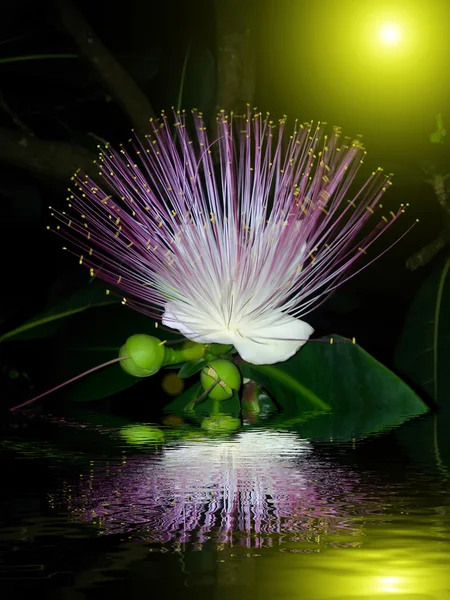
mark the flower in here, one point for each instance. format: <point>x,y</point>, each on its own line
<point>235,252</point>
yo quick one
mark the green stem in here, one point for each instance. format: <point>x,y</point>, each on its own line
<point>216,407</point>
<point>175,357</point>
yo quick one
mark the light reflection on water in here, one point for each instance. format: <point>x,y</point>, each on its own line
<point>262,514</point>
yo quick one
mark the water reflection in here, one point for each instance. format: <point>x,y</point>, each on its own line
<point>258,489</point>
<point>262,514</point>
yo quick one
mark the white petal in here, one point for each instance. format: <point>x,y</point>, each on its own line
<point>274,340</point>
<point>193,324</point>
<point>269,338</point>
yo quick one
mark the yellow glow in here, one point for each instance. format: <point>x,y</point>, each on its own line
<point>390,585</point>
<point>390,34</point>
<point>172,384</point>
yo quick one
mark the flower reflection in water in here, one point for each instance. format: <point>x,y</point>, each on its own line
<point>257,489</point>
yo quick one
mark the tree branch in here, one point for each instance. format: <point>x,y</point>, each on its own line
<point>55,160</point>
<point>440,189</point>
<point>236,72</point>
<point>428,252</point>
<point>425,254</point>
<point>122,87</point>
<point>60,160</point>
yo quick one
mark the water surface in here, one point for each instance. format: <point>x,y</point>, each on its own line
<point>255,514</point>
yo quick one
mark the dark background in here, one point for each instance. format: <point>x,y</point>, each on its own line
<point>312,60</point>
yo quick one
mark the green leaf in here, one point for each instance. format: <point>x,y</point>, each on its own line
<point>423,352</point>
<point>98,385</point>
<point>177,405</point>
<point>11,59</point>
<point>191,368</point>
<point>427,443</point>
<point>48,321</point>
<point>353,394</point>
<point>279,381</point>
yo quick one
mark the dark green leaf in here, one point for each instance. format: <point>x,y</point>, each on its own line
<point>283,382</point>
<point>47,322</point>
<point>10,59</point>
<point>427,442</point>
<point>423,353</point>
<point>178,404</point>
<point>100,384</point>
<point>363,395</point>
<point>191,368</point>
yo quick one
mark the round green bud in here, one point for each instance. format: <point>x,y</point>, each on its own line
<point>145,355</point>
<point>141,435</point>
<point>220,424</point>
<point>215,350</point>
<point>228,375</point>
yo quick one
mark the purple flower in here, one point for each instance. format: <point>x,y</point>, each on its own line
<point>236,252</point>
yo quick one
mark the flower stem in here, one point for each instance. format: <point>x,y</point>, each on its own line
<point>57,387</point>
<point>175,357</point>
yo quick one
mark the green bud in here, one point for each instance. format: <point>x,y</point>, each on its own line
<point>146,355</point>
<point>215,350</point>
<point>141,435</point>
<point>220,424</point>
<point>228,375</point>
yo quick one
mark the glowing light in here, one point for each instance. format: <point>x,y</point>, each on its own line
<point>172,384</point>
<point>390,34</point>
<point>390,585</point>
